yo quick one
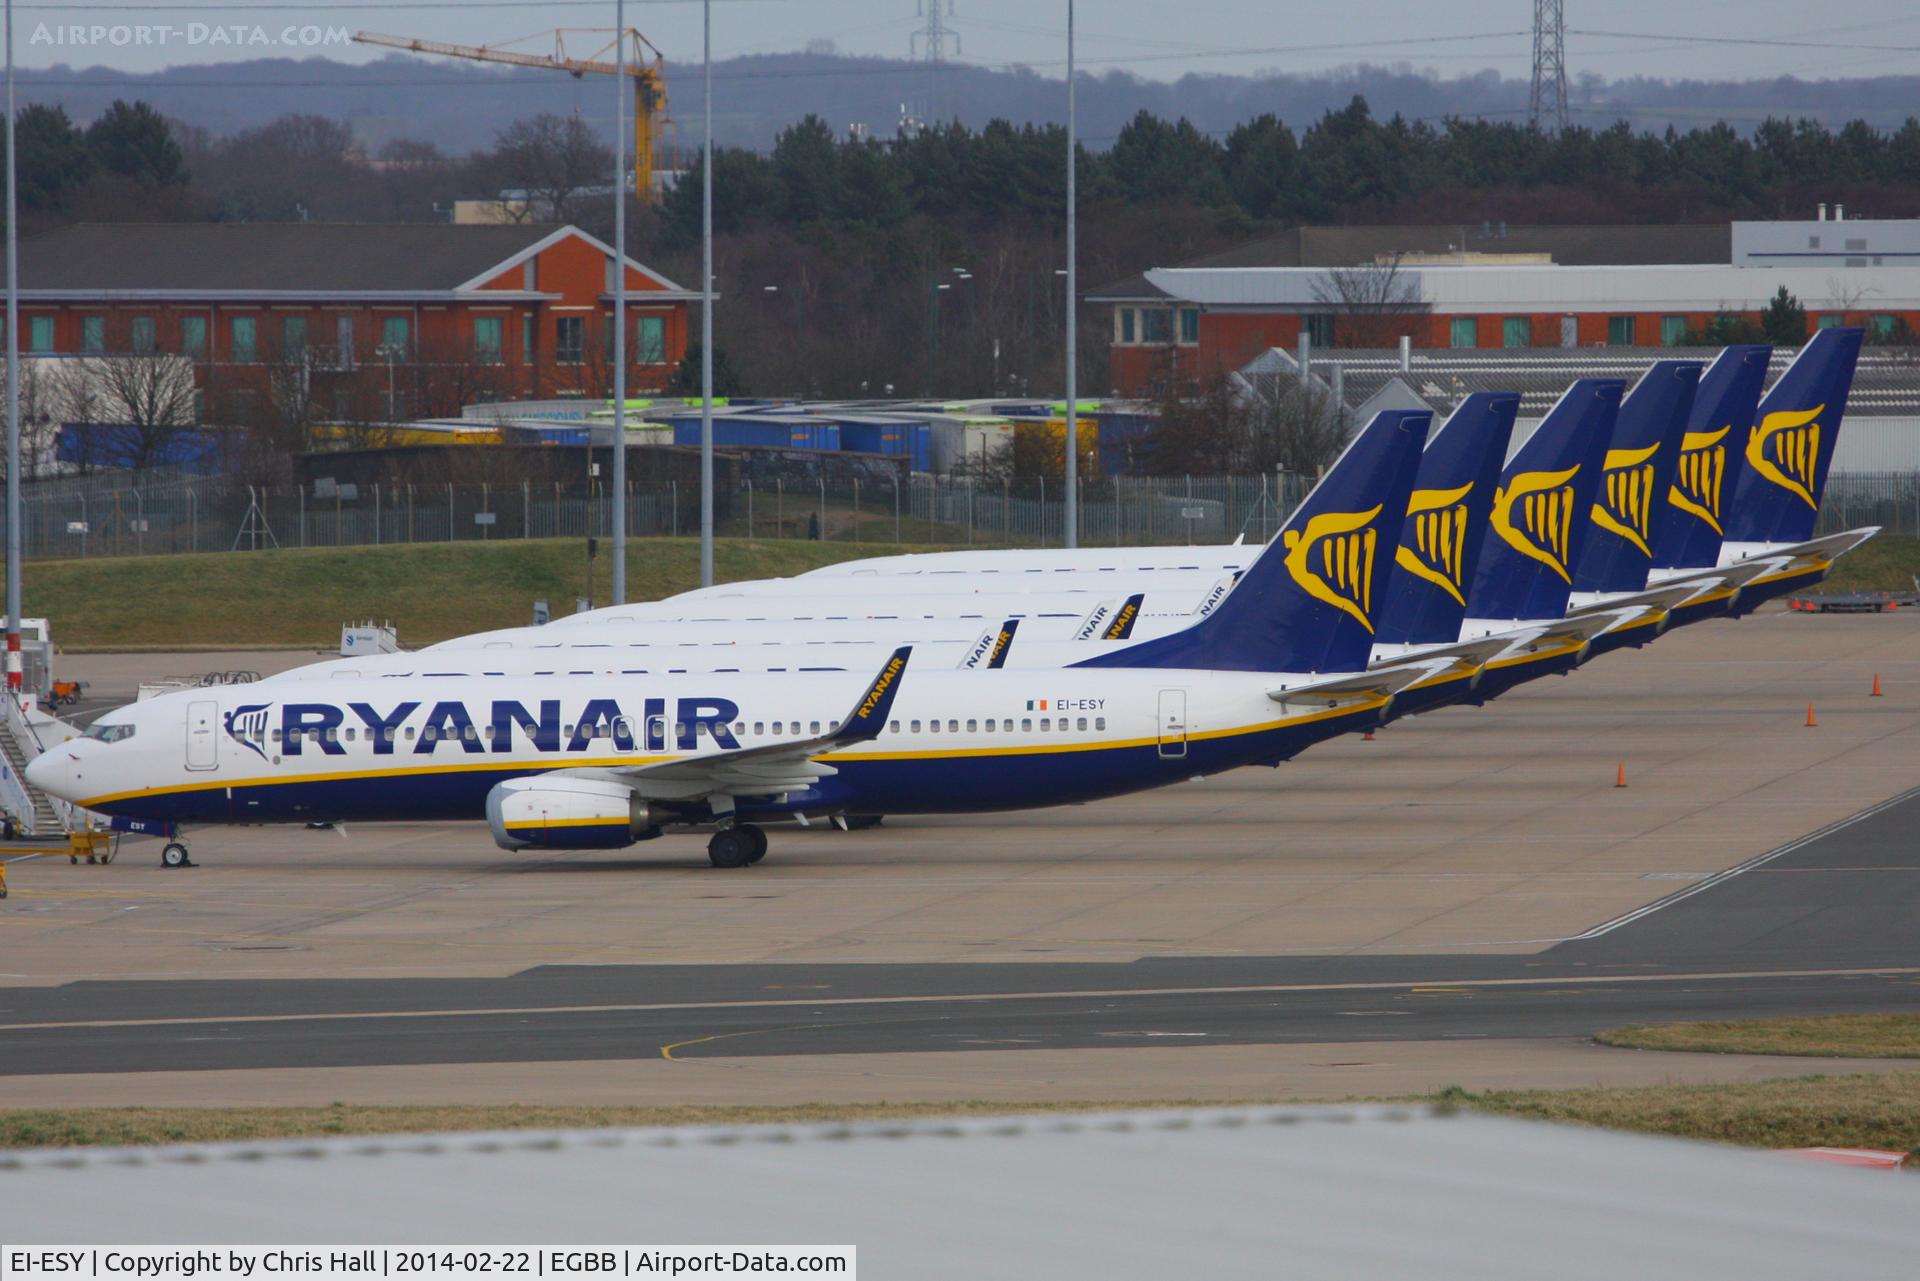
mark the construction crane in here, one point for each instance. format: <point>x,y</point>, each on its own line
<point>644,65</point>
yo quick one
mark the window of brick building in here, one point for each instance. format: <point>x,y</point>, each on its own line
<point>1463,331</point>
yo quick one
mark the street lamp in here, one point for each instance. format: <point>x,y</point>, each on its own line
<point>387,351</point>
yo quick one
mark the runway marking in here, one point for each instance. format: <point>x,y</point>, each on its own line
<point>1758,860</point>
<point>666,1051</point>
<point>1250,989</point>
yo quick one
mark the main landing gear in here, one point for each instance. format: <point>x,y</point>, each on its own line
<point>175,855</point>
<point>741,845</point>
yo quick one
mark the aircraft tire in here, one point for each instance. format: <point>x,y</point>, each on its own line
<point>730,848</point>
<point>758,837</point>
<point>175,855</point>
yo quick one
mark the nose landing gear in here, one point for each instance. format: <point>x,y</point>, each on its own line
<point>175,855</point>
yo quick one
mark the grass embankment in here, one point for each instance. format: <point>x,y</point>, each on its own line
<point>1877,1111</point>
<point>1884,564</point>
<point>1838,1036</point>
<point>430,591</point>
<point>1869,1110</point>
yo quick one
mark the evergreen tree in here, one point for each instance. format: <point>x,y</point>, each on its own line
<point>1784,320</point>
<point>686,379</point>
<point>54,161</point>
<point>133,140</point>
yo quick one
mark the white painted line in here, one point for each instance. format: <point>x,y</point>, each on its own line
<point>1758,860</point>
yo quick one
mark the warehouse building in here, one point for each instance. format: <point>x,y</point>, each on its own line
<point>1460,288</point>
<point>362,321</point>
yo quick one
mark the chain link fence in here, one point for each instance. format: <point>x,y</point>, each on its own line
<point>163,515</point>
<point>92,517</point>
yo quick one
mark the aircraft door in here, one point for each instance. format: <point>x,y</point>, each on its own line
<point>203,742</point>
<point>1173,723</point>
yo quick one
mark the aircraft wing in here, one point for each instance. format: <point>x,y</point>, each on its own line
<point>1472,654</point>
<point>1666,596</point>
<point>1375,685</point>
<point>772,767</point>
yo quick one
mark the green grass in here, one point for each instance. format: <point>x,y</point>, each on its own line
<point>431,591</point>
<point>1884,564</point>
<point>1871,1110</point>
<point>1842,1036</point>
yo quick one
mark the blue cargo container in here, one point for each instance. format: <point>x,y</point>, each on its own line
<point>777,434</point>
<point>897,437</point>
<point>1123,442</point>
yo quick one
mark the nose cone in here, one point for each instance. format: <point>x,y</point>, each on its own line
<point>49,773</point>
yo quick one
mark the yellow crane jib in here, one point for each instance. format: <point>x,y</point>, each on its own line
<point>645,66</point>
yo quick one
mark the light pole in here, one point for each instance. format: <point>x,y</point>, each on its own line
<point>620,303</point>
<point>1073,372</point>
<point>386,352</point>
<point>706,297</point>
<point>934,289</point>
<point>13,391</point>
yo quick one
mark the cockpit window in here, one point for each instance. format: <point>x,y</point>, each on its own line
<point>109,733</point>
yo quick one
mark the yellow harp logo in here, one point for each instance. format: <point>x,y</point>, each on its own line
<point>1698,475</point>
<point>1785,449</point>
<point>1439,530</point>
<point>1534,515</point>
<point>1626,504</point>
<point>1342,544</point>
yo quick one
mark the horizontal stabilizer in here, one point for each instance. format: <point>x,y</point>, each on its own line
<point>1373,687</point>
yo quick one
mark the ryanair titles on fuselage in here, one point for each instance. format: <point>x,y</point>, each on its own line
<point>450,723</point>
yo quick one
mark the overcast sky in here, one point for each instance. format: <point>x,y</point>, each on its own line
<point>1159,38</point>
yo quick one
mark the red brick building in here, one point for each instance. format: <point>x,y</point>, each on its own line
<point>370,322</point>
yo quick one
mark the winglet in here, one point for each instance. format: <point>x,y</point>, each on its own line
<point>1002,643</point>
<point>869,714</point>
<point>1121,628</point>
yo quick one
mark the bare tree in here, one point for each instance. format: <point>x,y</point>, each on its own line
<point>554,159</point>
<point>1374,304</point>
<point>1235,426</point>
<point>132,407</point>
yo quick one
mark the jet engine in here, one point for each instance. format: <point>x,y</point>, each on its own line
<point>566,813</point>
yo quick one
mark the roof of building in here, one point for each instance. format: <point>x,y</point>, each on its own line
<point>1533,290</point>
<point>1886,382</point>
<point>1573,245</point>
<point>202,258</point>
<point>1328,1191</point>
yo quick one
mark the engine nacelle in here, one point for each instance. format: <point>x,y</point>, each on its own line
<point>566,813</point>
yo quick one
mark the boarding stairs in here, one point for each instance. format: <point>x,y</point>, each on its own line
<point>38,814</point>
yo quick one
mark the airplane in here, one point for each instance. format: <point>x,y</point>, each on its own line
<point>599,763</point>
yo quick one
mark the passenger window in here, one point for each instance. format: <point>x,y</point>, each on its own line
<point>470,734</point>
<point>1099,722</point>
<point>276,736</point>
<point>893,727</point>
<point>816,728</point>
<point>933,727</point>
<point>739,729</point>
<point>679,729</point>
<point>409,733</point>
<point>349,734</point>
<point>1083,722</point>
<point>1026,724</point>
<point>796,727</point>
<point>330,734</point>
<point>759,727</point>
<point>1046,723</point>
<point>953,727</point>
<point>973,727</point>
<point>916,727</point>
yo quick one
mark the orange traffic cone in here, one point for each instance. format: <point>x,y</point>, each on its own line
<point>1810,721</point>
<point>1620,777</point>
<point>1876,684</point>
<point>1367,737</point>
